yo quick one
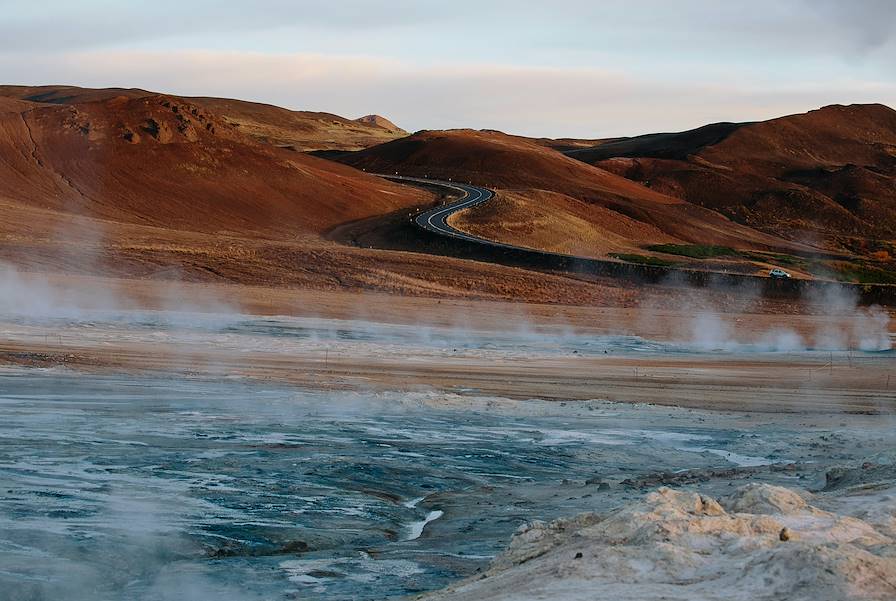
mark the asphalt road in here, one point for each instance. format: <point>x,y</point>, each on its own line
<point>436,220</point>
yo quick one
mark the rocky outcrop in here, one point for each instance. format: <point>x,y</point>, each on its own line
<point>760,542</point>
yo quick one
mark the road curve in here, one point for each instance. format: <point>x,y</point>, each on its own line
<point>436,220</point>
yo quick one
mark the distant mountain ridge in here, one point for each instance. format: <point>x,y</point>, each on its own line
<point>269,124</point>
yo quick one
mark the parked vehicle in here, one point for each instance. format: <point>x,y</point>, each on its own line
<point>778,274</point>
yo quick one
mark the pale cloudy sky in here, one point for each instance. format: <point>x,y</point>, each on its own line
<point>563,68</point>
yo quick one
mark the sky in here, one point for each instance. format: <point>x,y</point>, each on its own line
<point>562,68</point>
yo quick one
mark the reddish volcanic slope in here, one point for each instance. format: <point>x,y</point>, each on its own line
<point>160,161</point>
<point>828,173</point>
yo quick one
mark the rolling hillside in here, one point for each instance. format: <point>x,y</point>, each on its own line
<point>575,207</point>
<point>827,175</point>
<point>298,130</point>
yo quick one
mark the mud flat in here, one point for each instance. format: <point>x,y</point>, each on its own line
<point>144,455</point>
<point>144,486</point>
<point>521,361</point>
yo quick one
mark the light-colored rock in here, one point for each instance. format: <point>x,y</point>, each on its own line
<point>760,498</point>
<point>676,545</point>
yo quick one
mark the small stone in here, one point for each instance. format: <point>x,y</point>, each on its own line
<point>784,534</point>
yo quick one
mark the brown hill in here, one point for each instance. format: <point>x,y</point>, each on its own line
<point>559,223</point>
<point>829,137</point>
<point>824,175</point>
<point>298,130</point>
<point>381,122</point>
<point>157,187</point>
<point>158,160</point>
<point>521,168</point>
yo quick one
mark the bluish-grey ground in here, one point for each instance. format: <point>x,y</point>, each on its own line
<point>121,487</point>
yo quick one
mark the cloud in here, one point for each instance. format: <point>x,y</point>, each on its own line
<point>90,24</point>
<point>868,24</point>
<point>697,31</point>
<point>585,102</point>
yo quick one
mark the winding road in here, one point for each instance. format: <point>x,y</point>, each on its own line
<point>436,220</point>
